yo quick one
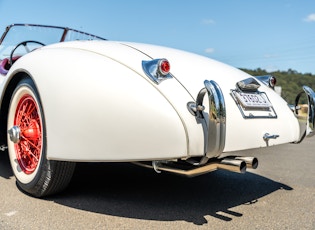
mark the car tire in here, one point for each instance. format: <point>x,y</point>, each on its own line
<point>27,145</point>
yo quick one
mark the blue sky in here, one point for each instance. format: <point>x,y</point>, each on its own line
<point>267,34</point>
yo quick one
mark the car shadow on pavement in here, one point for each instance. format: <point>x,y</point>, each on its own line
<point>127,190</point>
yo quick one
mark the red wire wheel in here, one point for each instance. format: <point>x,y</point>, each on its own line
<point>29,148</point>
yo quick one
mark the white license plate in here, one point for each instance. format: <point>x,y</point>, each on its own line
<point>253,100</point>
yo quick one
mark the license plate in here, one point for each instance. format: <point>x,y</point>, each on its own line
<point>252,100</point>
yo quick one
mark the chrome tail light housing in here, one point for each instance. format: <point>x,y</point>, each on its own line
<point>157,70</point>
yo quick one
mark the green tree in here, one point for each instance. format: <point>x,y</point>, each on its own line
<point>290,81</point>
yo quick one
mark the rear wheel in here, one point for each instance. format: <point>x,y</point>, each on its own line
<point>27,145</point>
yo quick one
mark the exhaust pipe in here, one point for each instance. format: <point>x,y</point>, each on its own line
<point>230,164</point>
<point>233,165</point>
<point>251,162</point>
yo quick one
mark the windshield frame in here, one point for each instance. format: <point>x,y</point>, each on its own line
<point>23,38</point>
<point>62,38</point>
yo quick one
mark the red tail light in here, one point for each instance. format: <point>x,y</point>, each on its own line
<point>164,66</point>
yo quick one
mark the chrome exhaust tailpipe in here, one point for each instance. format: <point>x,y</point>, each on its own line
<point>230,164</point>
<point>251,162</point>
<point>233,165</point>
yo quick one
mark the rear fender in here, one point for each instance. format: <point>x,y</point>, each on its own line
<point>97,109</point>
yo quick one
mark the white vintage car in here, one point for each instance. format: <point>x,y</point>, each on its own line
<point>69,96</point>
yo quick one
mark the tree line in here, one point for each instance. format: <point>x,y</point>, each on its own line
<point>290,81</point>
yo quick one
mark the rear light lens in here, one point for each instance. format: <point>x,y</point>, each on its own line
<point>164,67</point>
<point>272,81</point>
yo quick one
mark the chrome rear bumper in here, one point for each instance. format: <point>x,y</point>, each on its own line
<point>307,124</point>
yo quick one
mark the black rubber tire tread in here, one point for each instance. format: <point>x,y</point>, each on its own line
<point>62,176</point>
<point>56,175</point>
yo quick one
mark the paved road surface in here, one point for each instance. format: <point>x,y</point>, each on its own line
<point>280,194</point>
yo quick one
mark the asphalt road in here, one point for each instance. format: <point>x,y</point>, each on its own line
<point>280,194</point>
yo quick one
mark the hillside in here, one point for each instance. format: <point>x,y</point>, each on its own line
<point>290,81</point>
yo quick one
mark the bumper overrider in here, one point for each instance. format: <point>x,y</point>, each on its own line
<point>306,124</point>
<point>214,127</point>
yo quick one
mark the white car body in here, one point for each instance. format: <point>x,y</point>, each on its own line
<point>120,115</point>
<point>100,105</point>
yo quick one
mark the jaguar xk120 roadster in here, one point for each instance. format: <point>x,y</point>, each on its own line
<point>69,96</point>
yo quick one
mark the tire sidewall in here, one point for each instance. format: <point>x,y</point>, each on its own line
<point>26,181</point>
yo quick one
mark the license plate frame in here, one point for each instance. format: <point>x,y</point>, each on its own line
<point>253,104</point>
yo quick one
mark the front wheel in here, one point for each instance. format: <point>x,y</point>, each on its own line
<point>35,174</point>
